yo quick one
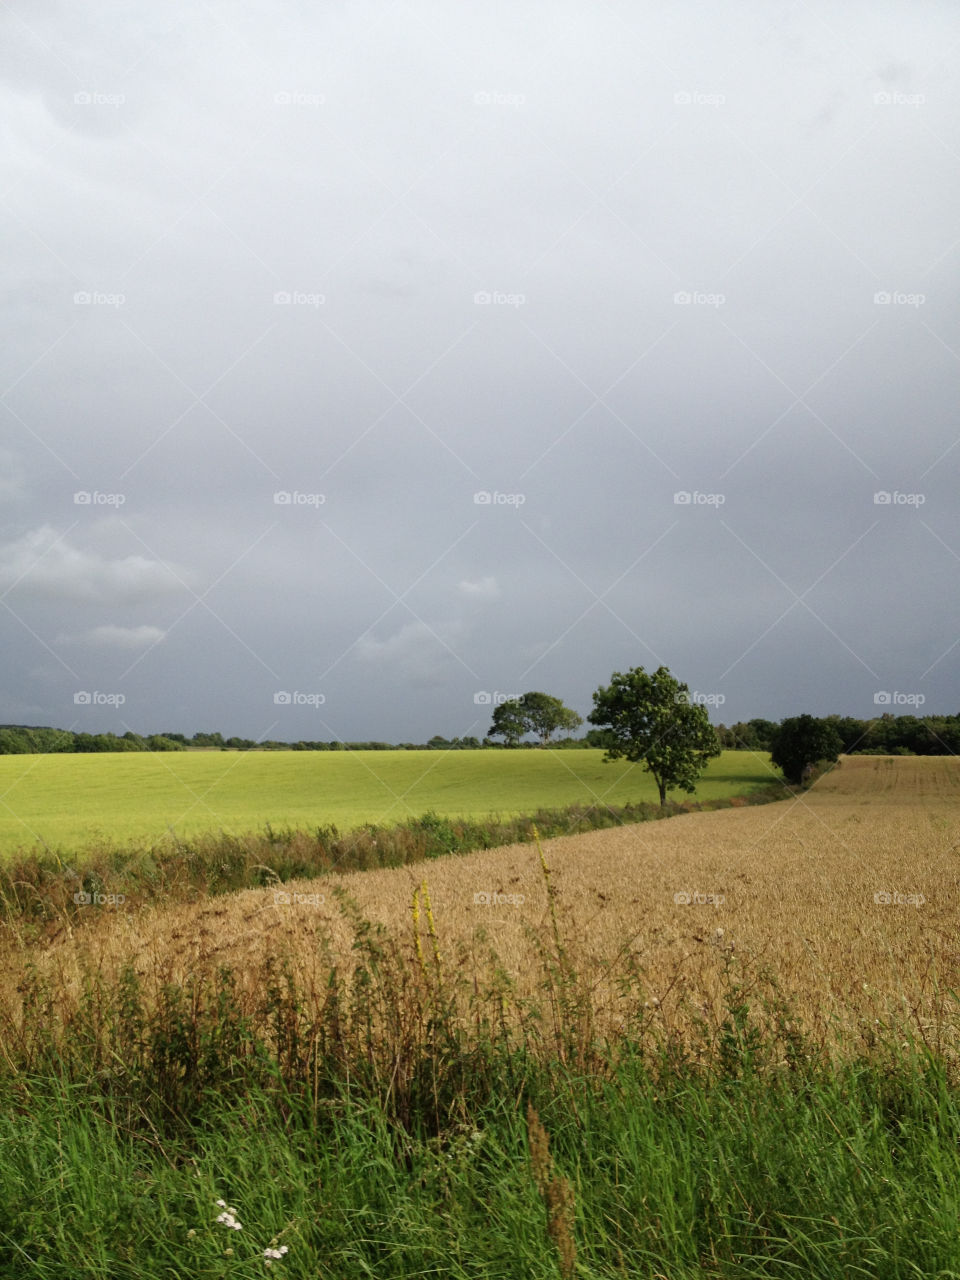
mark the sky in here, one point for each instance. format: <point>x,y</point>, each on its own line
<point>366,363</point>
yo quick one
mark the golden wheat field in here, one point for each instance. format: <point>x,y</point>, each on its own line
<point>846,898</point>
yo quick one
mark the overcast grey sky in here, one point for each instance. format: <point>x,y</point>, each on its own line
<point>584,259</point>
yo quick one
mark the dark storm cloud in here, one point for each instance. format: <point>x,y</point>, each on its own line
<point>397,354</point>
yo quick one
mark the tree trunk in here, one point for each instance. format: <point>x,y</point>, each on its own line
<point>663,792</point>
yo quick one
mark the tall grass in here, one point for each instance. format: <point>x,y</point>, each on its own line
<point>402,1117</point>
<point>849,1175</point>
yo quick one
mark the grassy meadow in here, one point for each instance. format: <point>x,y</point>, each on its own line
<point>725,1046</point>
<point>69,803</point>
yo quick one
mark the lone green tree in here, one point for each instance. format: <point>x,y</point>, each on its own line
<point>653,722</point>
<point>537,713</point>
<point>801,742</point>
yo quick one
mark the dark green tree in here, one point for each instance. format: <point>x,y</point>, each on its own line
<point>654,723</point>
<point>537,713</point>
<point>508,723</point>
<point>944,734</point>
<point>853,733</point>
<point>803,741</point>
<point>546,716</point>
<point>763,731</point>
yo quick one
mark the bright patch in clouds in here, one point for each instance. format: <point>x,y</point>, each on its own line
<point>482,589</point>
<point>43,564</point>
<point>417,652</point>
<point>118,637</point>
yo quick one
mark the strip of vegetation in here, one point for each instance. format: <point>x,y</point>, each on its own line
<point>886,734</point>
<point>38,893</point>
<point>401,1120</point>
<point>644,1174</point>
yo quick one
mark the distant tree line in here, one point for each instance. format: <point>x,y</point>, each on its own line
<point>21,740</point>
<point>887,735</point>
<point>31,739</point>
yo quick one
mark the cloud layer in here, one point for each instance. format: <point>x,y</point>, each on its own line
<point>398,354</point>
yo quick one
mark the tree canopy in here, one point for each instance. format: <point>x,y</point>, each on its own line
<point>653,722</point>
<point>534,712</point>
<point>801,741</point>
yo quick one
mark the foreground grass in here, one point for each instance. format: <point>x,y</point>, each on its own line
<point>818,1175</point>
<point>401,1114</point>
<point>70,804</point>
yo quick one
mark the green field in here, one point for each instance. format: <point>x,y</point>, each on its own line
<point>73,802</point>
